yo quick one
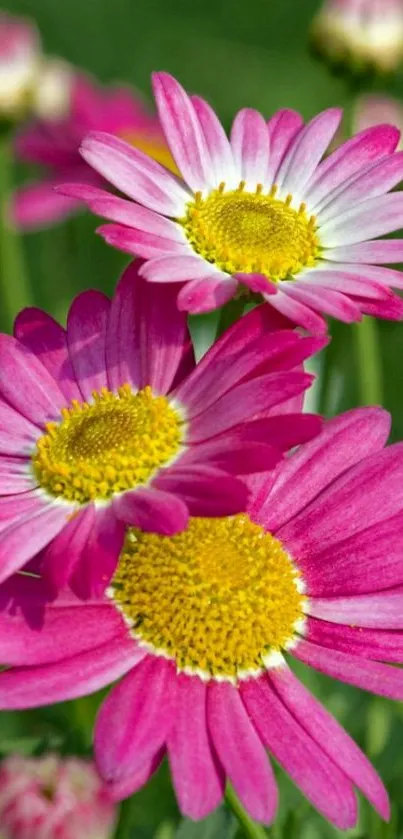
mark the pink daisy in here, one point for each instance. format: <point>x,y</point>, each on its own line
<point>198,624</point>
<point>262,210</point>
<point>110,422</point>
<point>54,144</point>
<point>53,798</point>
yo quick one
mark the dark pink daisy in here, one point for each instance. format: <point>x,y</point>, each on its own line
<point>110,422</point>
<point>198,623</point>
<point>262,210</point>
<point>53,144</point>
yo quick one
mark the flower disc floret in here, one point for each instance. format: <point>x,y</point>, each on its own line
<point>219,598</point>
<point>241,231</point>
<point>108,446</point>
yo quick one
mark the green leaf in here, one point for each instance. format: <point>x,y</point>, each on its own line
<point>220,825</point>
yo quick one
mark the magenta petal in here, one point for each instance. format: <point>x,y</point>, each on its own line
<point>283,127</point>
<point>373,217</point>
<point>376,252</point>
<point>380,645</point>
<point>25,383</point>
<point>307,763</point>
<point>138,242</point>
<point>21,506</point>
<point>63,554</point>
<point>206,293</point>
<point>205,490</point>
<point>258,283</point>
<point>198,779</point>
<point>152,511</point>
<point>36,205</point>
<point>99,555</point>
<point>238,455</point>
<point>250,142</point>
<point>241,751</point>
<point>383,610</point>
<point>24,538</point>
<point>86,328</point>
<point>300,314</point>
<point>15,475</point>
<point>132,783</point>
<point>331,737</point>
<point>217,144</point>
<point>147,338</point>
<point>32,687</point>
<point>374,180</point>
<point>135,719</point>
<point>65,632</point>
<point>318,463</point>
<point>307,150</point>
<point>17,434</point>
<point>382,679</point>
<point>325,300</point>
<point>182,130</point>
<point>47,340</point>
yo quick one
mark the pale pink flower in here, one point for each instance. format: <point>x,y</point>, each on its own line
<point>263,211</point>
<point>53,798</point>
<point>20,54</point>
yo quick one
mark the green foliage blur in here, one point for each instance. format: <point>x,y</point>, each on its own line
<point>234,53</point>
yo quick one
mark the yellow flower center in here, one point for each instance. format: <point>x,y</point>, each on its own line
<point>154,148</point>
<point>110,445</point>
<point>220,599</point>
<point>250,232</point>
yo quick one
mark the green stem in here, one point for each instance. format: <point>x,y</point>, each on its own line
<point>125,825</point>
<point>369,362</point>
<point>15,291</point>
<point>230,313</point>
<point>250,828</point>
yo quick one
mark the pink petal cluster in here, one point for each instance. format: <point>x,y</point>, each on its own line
<point>336,504</point>
<point>53,798</point>
<point>54,144</point>
<point>233,403</point>
<point>347,193</point>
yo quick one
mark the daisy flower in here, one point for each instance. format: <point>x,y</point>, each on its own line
<point>261,211</point>
<point>53,798</point>
<point>198,624</point>
<point>364,34</point>
<point>53,144</point>
<point>111,422</point>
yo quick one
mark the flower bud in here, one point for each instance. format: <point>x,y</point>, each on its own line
<point>51,96</point>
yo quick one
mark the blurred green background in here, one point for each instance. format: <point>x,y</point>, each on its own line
<point>235,54</point>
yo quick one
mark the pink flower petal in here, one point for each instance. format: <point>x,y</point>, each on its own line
<point>26,536</point>
<point>374,217</point>
<point>217,144</point>
<point>250,142</point>
<point>152,511</point>
<point>307,763</point>
<point>381,610</point>
<point>63,554</point>
<point>241,752</point>
<point>205,490</point>
<point>391,309</point>
<point>99,555</point>
<point>235,452</point>
<point>16,475</point>
<point>147,338</point>
<point>135,174</point>
<point>249,399</point>
<point>26,385</point>
<point>183,131</point>
<point>132,783</point>
<point>197,777</point>
<point>324,300</point>
<point>139,243</point>
<point>382,679</point>
<point>349,158</point>
<point>322,460</point>
<point>371,182</point>
<point>206,294</point>
<point>383,252</point>
<point>364,562</point>
<point>86,330</point>
<point>176,269</point>
<point>301,315</point>
<point>331,737</point>
<point>47,340</point>
<point>283,128</point>
<point>349,505</point>
<point>135,719</point>
<point>380,645</point>
<point>17,434</point>
<point>364,281</point>
<point>37,206</point>
<point>19,506</point>
<point>32,687</point>
<point>257,283</point>
<point>306,151</point>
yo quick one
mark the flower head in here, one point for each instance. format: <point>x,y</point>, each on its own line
<point>363,34</point>
<point>20,54</point>
<point>53,798</point>
<point>262,211</point>
<point>197,624</point>
<point>111,423</point>
<point>68,105</point>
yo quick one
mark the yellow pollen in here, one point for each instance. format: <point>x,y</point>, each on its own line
<point>241,231</point>
<point>153,147</point>
<point>218,598</point>
<point>110,445</point>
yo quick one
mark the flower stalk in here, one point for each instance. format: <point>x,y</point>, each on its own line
<point>15,290</point>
